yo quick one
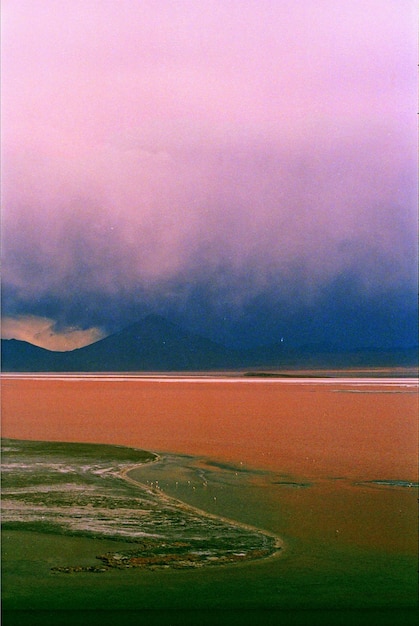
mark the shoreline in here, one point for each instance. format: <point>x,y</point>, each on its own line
<point>173,535</point>
<point>362,377</point>
<point>330,535</point>
<point>279,544</point>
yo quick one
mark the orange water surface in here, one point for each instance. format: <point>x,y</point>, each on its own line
<point>358,429</point>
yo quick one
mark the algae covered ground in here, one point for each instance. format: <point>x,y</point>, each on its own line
<point>188,540</point>
<point>82,490</point>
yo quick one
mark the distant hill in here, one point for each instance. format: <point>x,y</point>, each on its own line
<point>155,344</point>
<point>329,356</point>
<point>21,356</point>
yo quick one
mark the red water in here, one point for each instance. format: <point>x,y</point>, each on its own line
<point>354,429</point>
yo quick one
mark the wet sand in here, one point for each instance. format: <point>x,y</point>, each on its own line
<point>359,429</point>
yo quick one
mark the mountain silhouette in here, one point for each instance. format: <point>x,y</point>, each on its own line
<point>156,345</point>
<point>21,356</point>
<point>153,344</point>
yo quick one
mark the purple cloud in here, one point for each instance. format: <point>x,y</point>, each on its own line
<point>152,146</point>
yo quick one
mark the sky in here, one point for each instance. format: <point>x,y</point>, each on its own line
<point>245,168</point>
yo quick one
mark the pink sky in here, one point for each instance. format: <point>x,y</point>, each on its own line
<point>145,140</point>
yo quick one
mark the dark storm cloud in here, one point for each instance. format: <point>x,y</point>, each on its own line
<point>240,171</point>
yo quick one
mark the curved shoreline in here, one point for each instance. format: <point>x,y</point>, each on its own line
<point>279,544</point>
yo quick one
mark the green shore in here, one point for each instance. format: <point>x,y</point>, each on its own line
<point>320,575</point>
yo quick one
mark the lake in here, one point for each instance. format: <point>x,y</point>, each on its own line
<point>328,464</point>
<point>362,428</point>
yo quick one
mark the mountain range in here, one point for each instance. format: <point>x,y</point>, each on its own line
<point>155,344</point>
